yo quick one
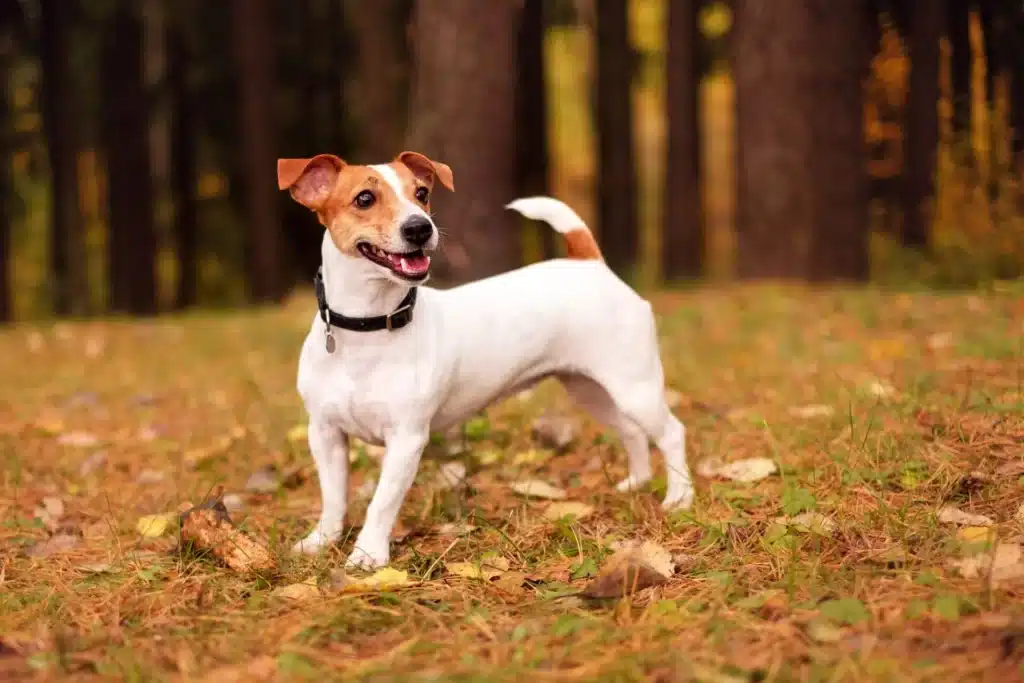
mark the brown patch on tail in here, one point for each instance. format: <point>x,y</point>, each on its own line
<point>580,244</point>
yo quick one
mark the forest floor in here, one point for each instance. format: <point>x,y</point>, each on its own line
<point>886,545</point>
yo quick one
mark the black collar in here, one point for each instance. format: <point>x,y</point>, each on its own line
<point>395,320</point>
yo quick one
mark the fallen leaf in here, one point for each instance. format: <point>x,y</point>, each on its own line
<point>1002,564</point>
<point>263,480</point>
<point>569,508</point>
<point>383,578</point>
<point>810,412</point>
<point>92,463</point>
<point>555,431</point>
<point>823,631</point>
<point>298,592</point>
<point>951,515</point>
<point>298,434</point>
<point>880,389</point>
<point>533,456</point>
<point>233,502</point>
<point>976,534</point>
<point>208,528</point>
<point>455,529</point>
<point>149,477</point>
<point>78,440</point>
<point>747,470</point>
<point>198,456</point>
<point>651,553</point>
<point>533,488</point>
<point>96,567</point>
<point>623,574</point>
<point>488,568</point>
<point>814,522</point>
<point>939,340</point>
<point>49,512</point>
<point>154,526</point>
<point>487,457</point>
<point>450,475</point>
<point>57,543</point>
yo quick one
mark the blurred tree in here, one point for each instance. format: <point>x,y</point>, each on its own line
<point>132,241</point>
<point>379,81</point>
<point>253,41</point>
<point>58,104</point>
<point>922,122</point>
<point>532,112</point>
<point>617,202</point>
<point>801,182</point>
<point>464,104</point>
<point>10,17</point>
<point>683,234</point>
<point>183,152</point>
<point>957,32</point>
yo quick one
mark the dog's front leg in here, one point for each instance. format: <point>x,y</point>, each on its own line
<point>329,447</point>
<point>401,460</point>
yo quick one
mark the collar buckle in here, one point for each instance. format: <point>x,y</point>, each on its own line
<point>400,309</point>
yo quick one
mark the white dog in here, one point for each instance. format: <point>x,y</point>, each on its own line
<point>389,361</point>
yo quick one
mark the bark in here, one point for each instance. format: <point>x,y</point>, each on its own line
<point>618,214</point>
<point>6,193</point>
<point>464,100</point>
<point>253,40</point>
<point>132,242</point>
<point>683,236</point>
<point>184,166</point>
<point>532,112</point>
<point>380,80</point>
<point>922,122</point>
<point>841,190</point>
<point>58,104</point>
<point>801,183</point>
<point>957,30</point>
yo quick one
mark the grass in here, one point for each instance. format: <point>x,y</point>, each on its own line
<point>926,393</point>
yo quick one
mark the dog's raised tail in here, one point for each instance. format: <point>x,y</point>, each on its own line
<point>579,241</point>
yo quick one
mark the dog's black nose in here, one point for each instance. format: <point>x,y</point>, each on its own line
<point>417,230</point>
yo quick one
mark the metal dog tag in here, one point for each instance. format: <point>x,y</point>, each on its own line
<point>329,341</point>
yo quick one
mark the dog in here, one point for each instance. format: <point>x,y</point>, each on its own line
<point>390,361</point>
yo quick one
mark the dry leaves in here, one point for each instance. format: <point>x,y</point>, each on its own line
<point>533,488</point>
<point>633,567</point>
<point>49,512</point>
<point>155,526</point>
<point>298,592</point>
<point>555,431</point>
<point>382,579</point>
<point>747,470</point>
<point>569,508</point>
<point>812,411</point>
<point>951,515</point>
<point>208,528</point>
<point>58,543</point>
<point>1004,563</point>
<point>813,522</point>
<point>487,569</point>
<point>450,475</point>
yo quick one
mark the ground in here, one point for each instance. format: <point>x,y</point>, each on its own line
<point>878,409</point>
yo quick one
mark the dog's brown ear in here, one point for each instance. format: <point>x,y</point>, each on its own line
<point>309,181</point>
<point>427,169</point>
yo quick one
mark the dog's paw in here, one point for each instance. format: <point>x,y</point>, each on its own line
<point>632,483</point>
<point>314,543</point>
<point>363,557</point>
<point>678,500</point>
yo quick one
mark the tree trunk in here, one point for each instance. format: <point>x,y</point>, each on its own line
<point>683,236</point>
<point>532,112</point>
<point>922,122</point>
<point>464,100</point>
<point>958,32</point>
<point>379,83</point>
<point>6,192</point>
<point>132,242</point>
<point>58,104</point>
<point>841,193</point>
<point>184,165</point>
<point>253,40</point>
<point>617,215</point>
<point>801,184</point>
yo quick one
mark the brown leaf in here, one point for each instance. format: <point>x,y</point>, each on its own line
<point>555,431</point>
<point>623,576</point>
<point>57,543</point>
<point>263,480</point>
<point>209,528</point>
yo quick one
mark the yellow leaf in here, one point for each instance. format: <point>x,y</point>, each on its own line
<point>154,526</point>
<point>383,578</point>
<point>976,534</point>
<point>298,433</point>
<point>488,568</point>
<point>531,457</point>
<point>298,591</point>
<point>532,488</point>
<point>487,457</point>
<point>570,508</point>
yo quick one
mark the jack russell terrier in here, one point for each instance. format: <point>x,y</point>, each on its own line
<point>372,369</point>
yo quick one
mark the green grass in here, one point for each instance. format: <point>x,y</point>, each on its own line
<point>752,599</point>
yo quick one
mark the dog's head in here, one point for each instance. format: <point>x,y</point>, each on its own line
<point>380,213</point>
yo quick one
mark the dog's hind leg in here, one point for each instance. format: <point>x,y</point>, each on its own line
<point>593,398</point>
<point>329,447</point>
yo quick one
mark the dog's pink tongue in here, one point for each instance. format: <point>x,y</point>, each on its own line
<point>411,265</point>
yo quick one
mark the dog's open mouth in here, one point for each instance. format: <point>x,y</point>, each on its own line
<point>413,265</point>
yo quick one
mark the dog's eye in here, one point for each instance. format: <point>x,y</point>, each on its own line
<point>365,199</point>
<point>422,195</point>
